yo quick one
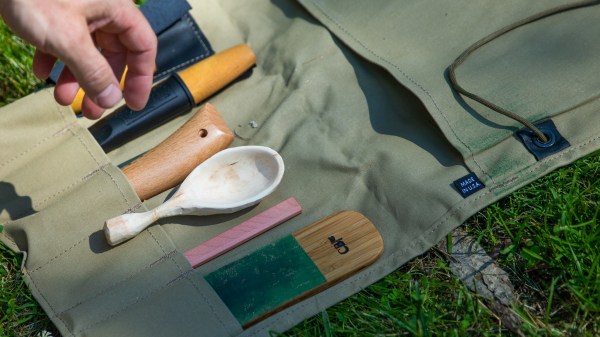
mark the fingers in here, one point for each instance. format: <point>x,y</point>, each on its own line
<point>91,70</point>
<point>66,87</point>
<point>90,109</point>
<point>140,42</point>
<point>116,60</point>
<point>79,30</point>
<point>129,34</point>
<point>42,64</point>
<point>125,39</point>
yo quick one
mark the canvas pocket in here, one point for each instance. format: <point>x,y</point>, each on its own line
<point>64,188</point>
<point>350,133</point>
<point>542,70</point>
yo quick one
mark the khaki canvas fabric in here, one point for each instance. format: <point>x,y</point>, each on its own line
<point>354,96</point>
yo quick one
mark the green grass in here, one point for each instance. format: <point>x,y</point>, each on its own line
<point>20,315</point>
<point>545,235</point>
<point>17,79</point>
<point>420,299</point>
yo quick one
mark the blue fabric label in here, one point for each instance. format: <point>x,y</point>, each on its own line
<point>468,185</point>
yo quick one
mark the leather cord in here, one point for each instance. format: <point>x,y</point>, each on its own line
<point>460,59</point>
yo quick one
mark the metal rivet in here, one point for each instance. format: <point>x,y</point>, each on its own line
<point>551,139</point>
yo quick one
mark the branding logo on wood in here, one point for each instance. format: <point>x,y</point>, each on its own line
<point>339,245</point>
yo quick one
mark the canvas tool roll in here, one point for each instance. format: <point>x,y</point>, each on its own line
<point>355,97</point>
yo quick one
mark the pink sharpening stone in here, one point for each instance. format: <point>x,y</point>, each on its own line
<point>243,232</point>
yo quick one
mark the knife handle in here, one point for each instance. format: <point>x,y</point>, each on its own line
<point>169,163</point>
<point>175,96</point>
<point>167,100</point>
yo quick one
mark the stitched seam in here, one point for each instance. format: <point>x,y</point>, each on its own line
<point>87,177</point>
<point>68,249</point>
<point>179,66</point>
<point>195,59</point>
<point>547,160</point>
<point>182,276</point>
<point>64,189</point>
<point>197,33</point>
<point>52,310</point>
<point>507,182</point>
<point>114,180</point>
<point>182,272</point>
<point>58,256</point>
<point>78,136</point>
<point>102,167</point>
<point>442,221</point>
<point>91,174</point>
<point>471,154</point>
<point>67,127</point>
<point>56,107</point>
<point>133,209</point>
<point>115,284</point>
<point>36,145</point>
<point>210,304</point>
<point>139,299</point>
<point>156,240</point>
<point>186,274</point>
<point>25,271</point>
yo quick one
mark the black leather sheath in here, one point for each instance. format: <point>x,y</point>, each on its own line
<point>181,43</point>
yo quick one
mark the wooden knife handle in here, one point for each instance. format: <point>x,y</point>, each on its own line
<point>169,163</point>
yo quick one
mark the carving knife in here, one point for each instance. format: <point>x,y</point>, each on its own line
<point>174,96</point>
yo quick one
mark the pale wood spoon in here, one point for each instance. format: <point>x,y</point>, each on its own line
<point>231,180</point>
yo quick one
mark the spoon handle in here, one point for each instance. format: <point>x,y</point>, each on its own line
<point>126,226</point>
<point>171,161</point>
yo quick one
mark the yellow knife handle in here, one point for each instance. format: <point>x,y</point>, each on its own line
<point>205,78</point>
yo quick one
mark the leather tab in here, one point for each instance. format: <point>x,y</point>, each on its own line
<point>180,46</point>
<point>163,13</point>
<point>556,142</point>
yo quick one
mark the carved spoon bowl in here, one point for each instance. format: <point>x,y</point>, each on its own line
<point>231,180</point>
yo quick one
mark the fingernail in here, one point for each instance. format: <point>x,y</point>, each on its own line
<point>109,97</point>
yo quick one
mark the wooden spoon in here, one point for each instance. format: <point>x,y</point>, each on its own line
<point>229,181</point>
<point>171,161</point>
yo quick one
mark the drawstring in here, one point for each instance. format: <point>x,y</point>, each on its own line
<point>459,60</point>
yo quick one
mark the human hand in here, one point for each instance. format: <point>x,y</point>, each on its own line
<point>95,39</point>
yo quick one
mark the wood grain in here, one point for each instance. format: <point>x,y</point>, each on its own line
<point>341,244</point>
<point>243,232</point>
<point>297,266</point>
<point>167,165</point>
